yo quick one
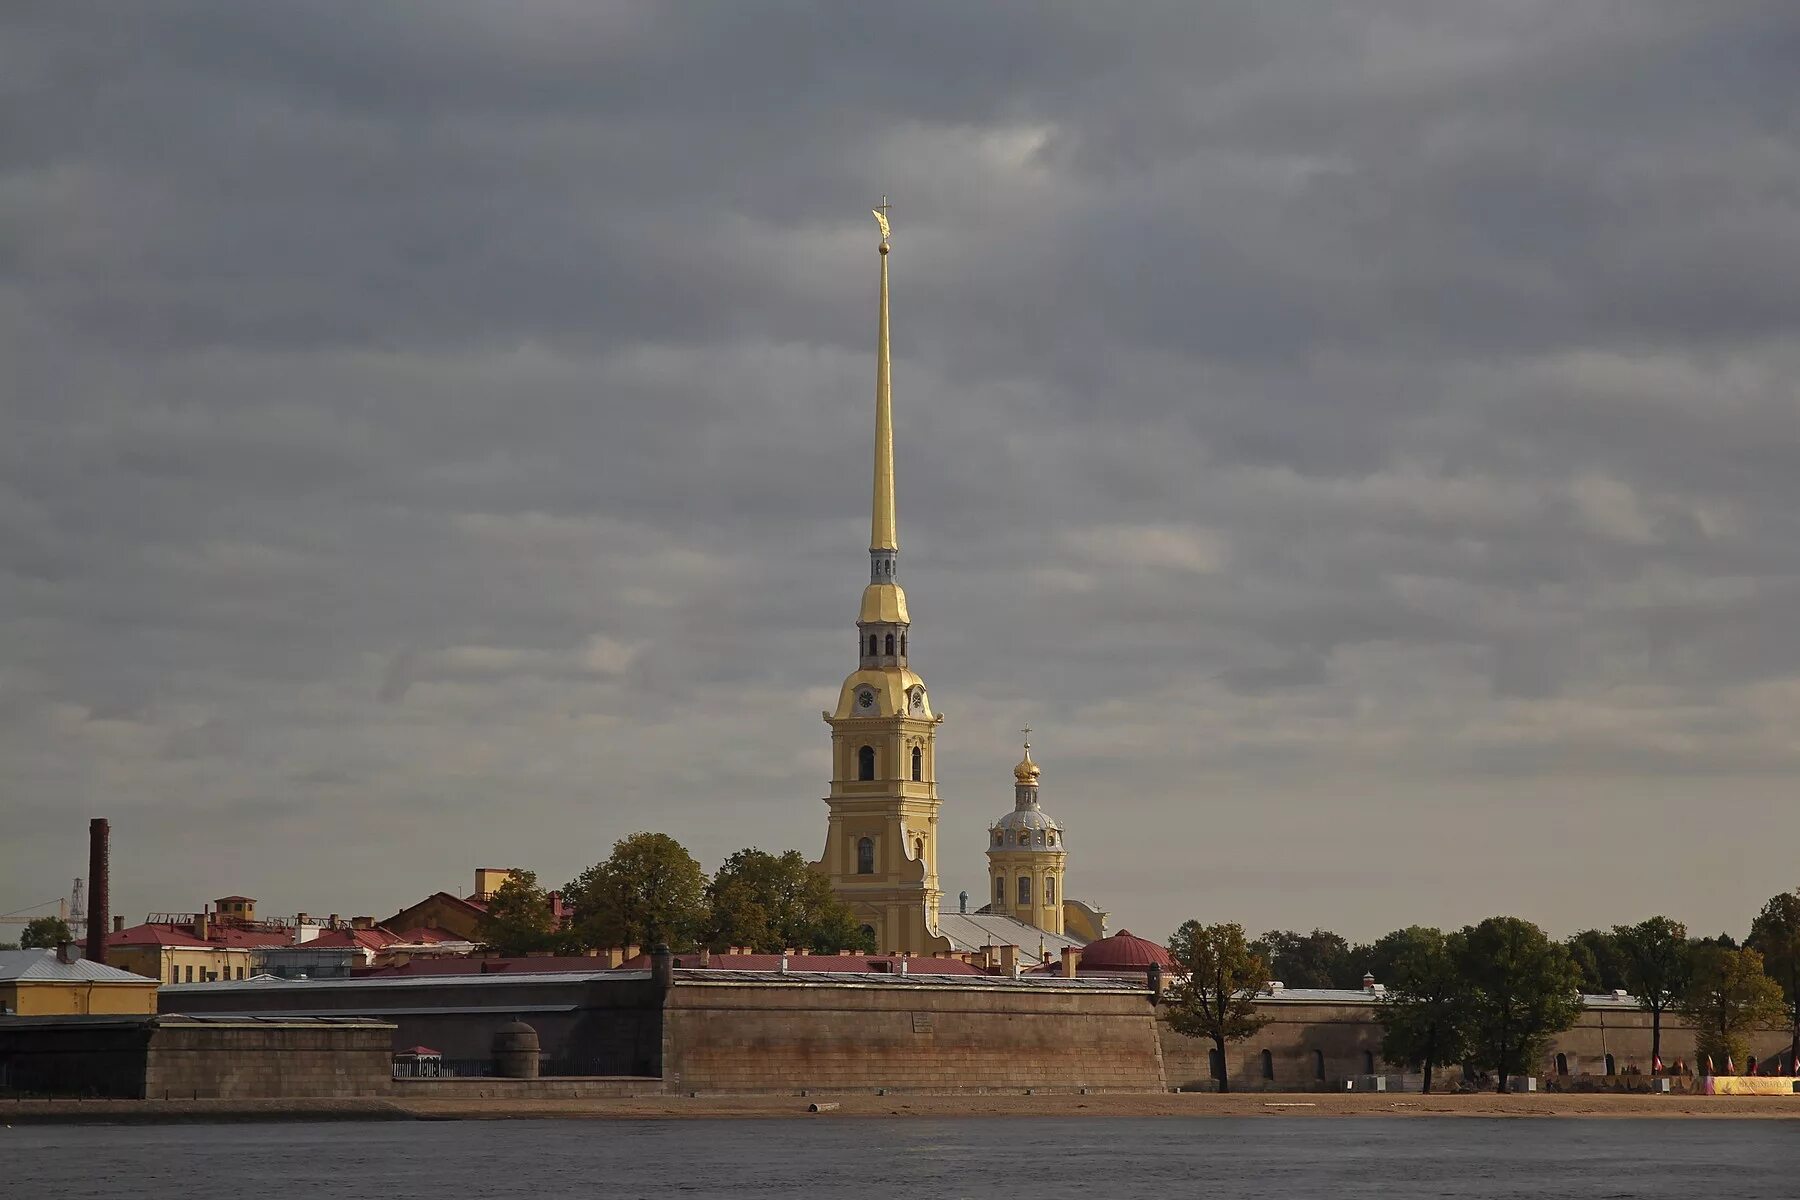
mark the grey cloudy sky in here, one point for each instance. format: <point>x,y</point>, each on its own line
<point>1359,437</point>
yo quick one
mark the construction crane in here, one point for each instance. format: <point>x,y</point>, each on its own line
<point>69,908</point>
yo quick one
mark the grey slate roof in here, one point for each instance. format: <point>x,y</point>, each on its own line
<point>972,931</point>
<point>34,966</point>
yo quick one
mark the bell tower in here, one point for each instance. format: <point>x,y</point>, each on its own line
<point>1026,856</point>
<point>881,837</point>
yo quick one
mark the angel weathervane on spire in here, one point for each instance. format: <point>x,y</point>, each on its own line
<point>881,219</point>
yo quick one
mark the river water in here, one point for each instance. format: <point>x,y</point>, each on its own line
<point>1294,1158</point>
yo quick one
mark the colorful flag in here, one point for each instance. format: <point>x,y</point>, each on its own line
<point>1656,1065</point>
<point>1709,1066</point>
<point>1753,1066</point>
<point>1730,1067</point>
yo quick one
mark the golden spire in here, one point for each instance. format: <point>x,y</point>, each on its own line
<point>882,532</point>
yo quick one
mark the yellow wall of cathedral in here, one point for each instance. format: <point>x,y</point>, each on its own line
<point>1041,874</point>
<point>881,840</point>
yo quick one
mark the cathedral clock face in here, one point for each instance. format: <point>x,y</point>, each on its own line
<point>865,701</point>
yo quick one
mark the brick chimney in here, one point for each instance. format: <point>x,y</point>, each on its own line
<point>1071,959</point>
<point>99,914</point>
<point>65,952</point>
<point>1009,960</point>
<point>614,955</point>
<point>201,925</point>
<point>118,924</point>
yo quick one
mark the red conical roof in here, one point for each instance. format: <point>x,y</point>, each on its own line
<point>1122,952</point>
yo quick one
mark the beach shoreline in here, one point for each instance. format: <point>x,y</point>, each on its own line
<point>946,1106</point>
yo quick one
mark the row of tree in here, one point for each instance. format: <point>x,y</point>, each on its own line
<point>1488,996</point>
<point>651,891</point>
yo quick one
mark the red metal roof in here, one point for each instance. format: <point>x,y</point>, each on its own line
<point>219,936</point>
<point>834,963</point>
<point>1122,952</point>
<point>814,962</point>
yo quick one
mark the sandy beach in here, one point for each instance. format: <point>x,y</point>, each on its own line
<point>1197,1105</point>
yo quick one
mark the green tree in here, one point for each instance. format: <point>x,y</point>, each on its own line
<point>1657,963</point>
<point>1217,977</point>
<point>771,902</point>
<point>1381,958</point>
<point>1525,989</point>
<point>1426,1012</point>
<point>649,892</point>
<point>1776,935</point>
<point>1728,996</point>
<point>1597,957</point>
<point>1320,959</point>
<point>45,933</point>
<point>519,920</point>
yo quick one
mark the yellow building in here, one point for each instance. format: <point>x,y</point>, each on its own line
<point>881,839</point>
<point>45,983</point>
<point>1026,856</point>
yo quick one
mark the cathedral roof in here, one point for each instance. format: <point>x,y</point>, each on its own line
<point>1032,818</point>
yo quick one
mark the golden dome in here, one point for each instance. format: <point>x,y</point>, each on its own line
<point>1026,771</point>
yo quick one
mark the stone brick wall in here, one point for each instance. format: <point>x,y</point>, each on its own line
<point>585,1026</point>
<point>153,1057</point>
<point>525,1089</point>
<point>86,1058</point>
<point>1347,1036</point>
<point>745,1037</point>
<point>1342,1034</point>
<point>255,1062</point>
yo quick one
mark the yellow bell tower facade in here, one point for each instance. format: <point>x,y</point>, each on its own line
<point>881,840</point>
<point>1026,856</point>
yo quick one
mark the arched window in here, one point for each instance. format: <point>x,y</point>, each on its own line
<point>865,856</point>
<point>1368,1062</point>
<point>1319,1065</point>
<point>1268,1065</point>
<point>997,838</point>
<point>903,645</point>
<point>918,764</point>
<point>871,645</point>
<point>1024,891</point>
<point>1215,1062</point>
<point>890,645</point>
<point>1050,889</point>
<point>1562,1064</point>
<point>999,889</point>
<point>865,762</point>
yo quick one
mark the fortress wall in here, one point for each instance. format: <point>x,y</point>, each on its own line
<point>236,1062</point>
<point>588,1026</point>
<point>1342,1033</point>
<point>746,1037</point>
<point>1625,1034</point>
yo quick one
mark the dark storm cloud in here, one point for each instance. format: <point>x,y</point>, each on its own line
<point>1326,423</point>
